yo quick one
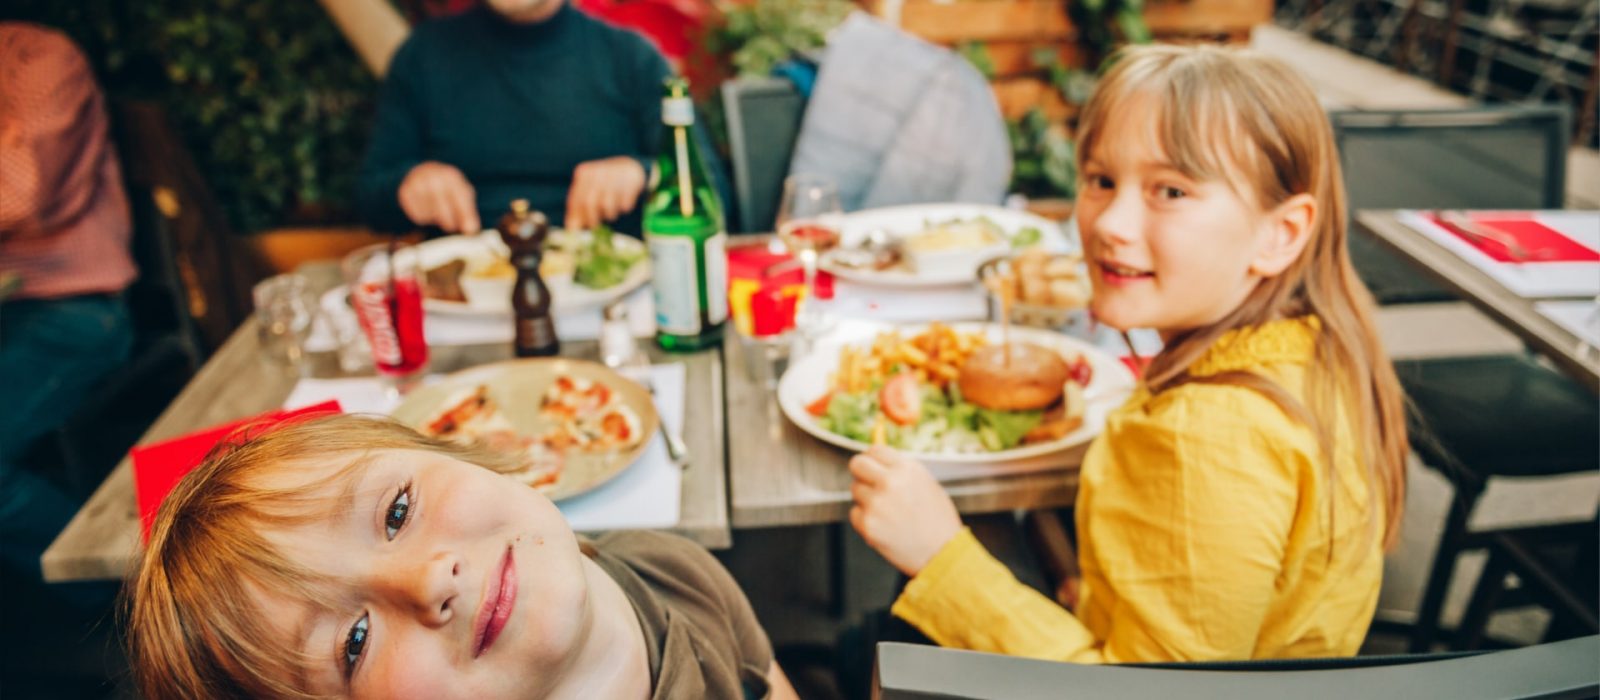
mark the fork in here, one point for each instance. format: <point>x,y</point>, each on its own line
<point>639,371</point>
<point>1465,224</point>
<point>677,451</point>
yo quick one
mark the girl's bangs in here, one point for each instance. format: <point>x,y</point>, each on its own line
<point>1198,125</point>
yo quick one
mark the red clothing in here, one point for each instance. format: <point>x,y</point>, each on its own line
<point>63,214</point>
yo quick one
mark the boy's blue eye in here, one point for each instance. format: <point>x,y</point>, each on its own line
<point>355,643</point>
<point>1172,193</point>
<point>399,511</point>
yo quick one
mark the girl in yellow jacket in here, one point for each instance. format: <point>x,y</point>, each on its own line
<point>1238,505</point>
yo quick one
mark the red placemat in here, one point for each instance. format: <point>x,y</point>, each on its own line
<point>1516,237</point>
<point>158,467</point>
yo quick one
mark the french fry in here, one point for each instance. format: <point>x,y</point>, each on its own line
<point>913,356</point>
<point>940,369</point>
<point>880,432</point>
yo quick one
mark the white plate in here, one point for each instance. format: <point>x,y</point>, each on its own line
<point>480,249</point>
<point>914,218</point>
<point>807,379</point>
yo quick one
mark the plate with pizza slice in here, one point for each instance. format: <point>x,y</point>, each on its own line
<point>573,424</point>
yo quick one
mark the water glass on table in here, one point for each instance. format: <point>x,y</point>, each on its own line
<point>285,311</point>
<point>809,220</point>
<point>386,291</point>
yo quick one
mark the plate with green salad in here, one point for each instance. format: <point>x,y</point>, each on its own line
<point>953,393</point>
<point>473,275</point>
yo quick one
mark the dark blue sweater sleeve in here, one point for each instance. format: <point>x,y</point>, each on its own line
<point>396,142</point>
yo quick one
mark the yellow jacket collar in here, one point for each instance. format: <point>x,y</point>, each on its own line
<point>1290,340</point>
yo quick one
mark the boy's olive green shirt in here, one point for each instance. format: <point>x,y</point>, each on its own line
<point>1204,528</point>
<point>701,634</point>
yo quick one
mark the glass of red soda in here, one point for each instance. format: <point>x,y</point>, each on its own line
<point>385,282</point>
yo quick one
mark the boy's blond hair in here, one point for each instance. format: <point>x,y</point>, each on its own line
<point>1251,121</point>
<point>195,627</point>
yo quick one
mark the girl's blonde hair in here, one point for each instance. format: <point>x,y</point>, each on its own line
<point>1249,120</point>
<point>195,627</point>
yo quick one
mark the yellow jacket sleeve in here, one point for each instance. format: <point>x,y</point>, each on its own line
<point>967,599</point>
<point>1185,513</point>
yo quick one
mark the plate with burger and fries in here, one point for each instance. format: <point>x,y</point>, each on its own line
<point>954,393</point>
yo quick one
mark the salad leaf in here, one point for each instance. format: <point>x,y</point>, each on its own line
<point>1026,236</point>
<point>1002,430</point>
<point>852,415</point>
<point>600,264</point>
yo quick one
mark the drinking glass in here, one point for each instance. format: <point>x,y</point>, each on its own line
<point>285,311</point>
<point>386,291</point>
<point>808,223</point>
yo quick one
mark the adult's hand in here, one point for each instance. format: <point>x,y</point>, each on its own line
<point>437,194</point>
<point>603,190</point>
<point>901,510</point>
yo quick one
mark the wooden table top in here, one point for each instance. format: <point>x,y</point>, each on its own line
<point>780,475</point>
<point>1511,310</point>
<point>102,540</point>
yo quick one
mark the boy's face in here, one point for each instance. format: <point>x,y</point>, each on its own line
<point>1164,251</point>
<point>454,582</point>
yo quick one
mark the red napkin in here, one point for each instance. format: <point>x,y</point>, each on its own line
<point>1538,242</point>
<point>1136,363</point>
<point>158,467</point>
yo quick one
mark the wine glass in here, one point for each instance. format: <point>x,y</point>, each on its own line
<point>808,224</point>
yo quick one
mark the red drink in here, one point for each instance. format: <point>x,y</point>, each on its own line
<point>393,326</point>
<point>804,236</point>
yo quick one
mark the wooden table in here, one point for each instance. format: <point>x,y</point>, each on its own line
<point>102,540</point>
<point>782,476</point>
<point>1511,310</point>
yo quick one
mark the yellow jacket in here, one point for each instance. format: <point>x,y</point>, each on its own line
<point>1203,533</point>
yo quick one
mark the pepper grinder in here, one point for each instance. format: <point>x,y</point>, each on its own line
<point>524,231</point>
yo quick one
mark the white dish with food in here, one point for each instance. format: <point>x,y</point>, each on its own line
<point>472,275</point>
<point>830,396</point>
<point>933,245</point>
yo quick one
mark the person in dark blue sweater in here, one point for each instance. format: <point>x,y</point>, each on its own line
<point>514,99</point>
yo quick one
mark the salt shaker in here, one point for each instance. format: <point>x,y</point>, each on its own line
<point>617,346</point>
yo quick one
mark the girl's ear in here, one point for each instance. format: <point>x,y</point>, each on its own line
<point>1288,230</point>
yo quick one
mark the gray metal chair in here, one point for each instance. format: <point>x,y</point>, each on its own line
<point>763,121</point>
<point>1559,670</point>
<point>1503,157</point>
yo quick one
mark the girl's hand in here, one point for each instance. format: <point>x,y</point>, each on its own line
<point>901,510</point>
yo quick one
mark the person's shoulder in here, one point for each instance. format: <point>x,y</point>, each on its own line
<point>1198,417</point>
<point>33,45</point>
<point>616,40</point>
<point>445,33</point>
<point>658,552</point>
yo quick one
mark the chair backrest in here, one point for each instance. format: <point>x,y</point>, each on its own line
<point>1503,157</point>
<point>1561,669</point>
<point>763,120</point>
<point>172,202</point>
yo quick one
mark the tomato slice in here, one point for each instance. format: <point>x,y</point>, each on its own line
<point>901,399</point>
<point>1081,371</point>
<point>819,408</point>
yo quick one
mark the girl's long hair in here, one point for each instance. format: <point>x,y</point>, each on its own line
<point>1247,119</point>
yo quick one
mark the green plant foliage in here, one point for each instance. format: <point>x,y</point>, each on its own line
<point>758,35</point>
<point>1106,24</point>
<point>977,53</point>
<point>1042,157</point>
<point>274,103</point>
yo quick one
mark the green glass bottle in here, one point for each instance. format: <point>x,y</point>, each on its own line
<point>683,227</point>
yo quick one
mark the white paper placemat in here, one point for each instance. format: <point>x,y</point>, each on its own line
<point>1582,318</point>
<point>1533,280</point>
<point>467,329</point>
<point>647,495</point>
<point>893,305</point>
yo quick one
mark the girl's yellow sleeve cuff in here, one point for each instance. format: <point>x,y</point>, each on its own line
<point>965,598</point>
